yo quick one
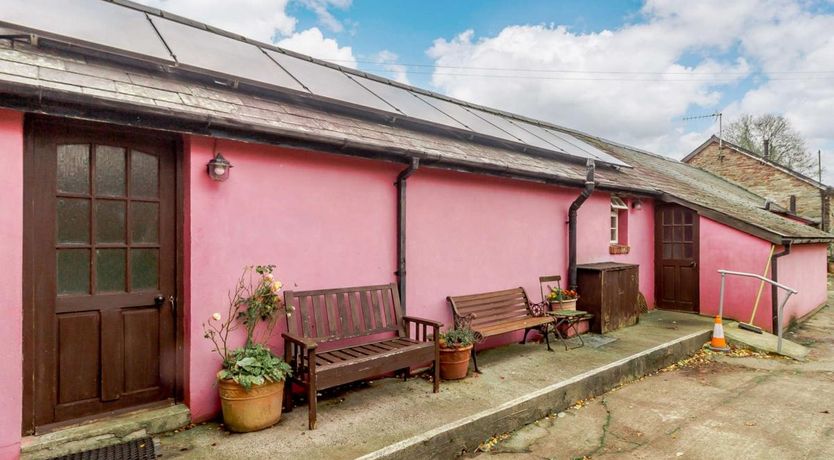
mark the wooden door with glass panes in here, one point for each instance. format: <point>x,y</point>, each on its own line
<point>677,281</point>
<point>103,258</point>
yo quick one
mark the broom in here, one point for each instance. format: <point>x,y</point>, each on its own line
<point>749,326</point>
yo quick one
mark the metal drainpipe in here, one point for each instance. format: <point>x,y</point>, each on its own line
<point>574,207</point>
<point>774,291</point>
<point>401,180</point>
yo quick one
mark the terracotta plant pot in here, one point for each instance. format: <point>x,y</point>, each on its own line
<point>252,410</point>
<point>454,362</point>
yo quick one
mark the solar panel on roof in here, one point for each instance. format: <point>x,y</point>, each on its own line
<point>508,126</point>
<point>328,82</point>
<point>100,25</point>
<point>406,102</point>
<point>202,49</point>
<point>472,121</point>
<point>586,147</point>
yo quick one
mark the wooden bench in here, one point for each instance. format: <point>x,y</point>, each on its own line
<point>499,312</point>
<point>382,340</point>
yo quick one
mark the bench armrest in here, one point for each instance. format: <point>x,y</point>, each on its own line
<point>428,322</point>
<point>303,342</point>
<point>422,334</point>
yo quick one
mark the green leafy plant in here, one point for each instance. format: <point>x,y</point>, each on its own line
<point>457,337</point>
<point>255,304</point>
<point>253,365</point>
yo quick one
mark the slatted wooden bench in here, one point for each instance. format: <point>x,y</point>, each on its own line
<point>379,339</point>
<point>499,312</point>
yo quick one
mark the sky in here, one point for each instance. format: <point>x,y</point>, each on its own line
<point>627,70</point>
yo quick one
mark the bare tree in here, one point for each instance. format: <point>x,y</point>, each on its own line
<point>787,147</point>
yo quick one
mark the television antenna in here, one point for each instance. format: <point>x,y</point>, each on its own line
<point>720,117</point>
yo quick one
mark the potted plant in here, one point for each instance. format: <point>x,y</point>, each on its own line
<point>455,351</point>
<point>251,379</point>
<point>565,299</point>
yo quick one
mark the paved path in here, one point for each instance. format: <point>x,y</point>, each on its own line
<point>742,407</point>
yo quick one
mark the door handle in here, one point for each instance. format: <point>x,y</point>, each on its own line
<point>693,264</point>
<point>173,305</point>
<point>159,300</point>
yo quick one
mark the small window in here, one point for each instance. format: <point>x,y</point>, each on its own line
<point>619,221</point>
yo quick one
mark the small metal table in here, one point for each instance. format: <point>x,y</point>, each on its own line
<point>570,318</point>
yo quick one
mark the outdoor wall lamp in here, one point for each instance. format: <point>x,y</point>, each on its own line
<point>218,168</point>
<point>637,204</point>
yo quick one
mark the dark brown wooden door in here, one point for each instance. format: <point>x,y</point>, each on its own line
<point>676,258</point>
<point>103,263</point>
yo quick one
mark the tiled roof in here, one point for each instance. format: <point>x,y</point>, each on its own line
<point>59,82</point>
<point>698,187</point>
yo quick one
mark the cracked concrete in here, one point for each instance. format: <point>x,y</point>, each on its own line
<point>720,406</point>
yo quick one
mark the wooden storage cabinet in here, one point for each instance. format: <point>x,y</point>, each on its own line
<point>609,291</point>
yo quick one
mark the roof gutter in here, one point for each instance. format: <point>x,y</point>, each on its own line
<point>402,177</point>
<point>774,290</point>
<point>572,215</point>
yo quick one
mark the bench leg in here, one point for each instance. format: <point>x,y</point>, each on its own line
<point>547,337</point>
<point>436,380</point>
<point>288,396</point>
<point>405,373</point>
<point>312,402</point>
<point>526,331</point>
<point>475,360</point>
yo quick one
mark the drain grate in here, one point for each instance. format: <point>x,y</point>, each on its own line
<point>140,449</point>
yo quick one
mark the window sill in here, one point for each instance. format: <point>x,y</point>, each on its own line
<point>619,249</point>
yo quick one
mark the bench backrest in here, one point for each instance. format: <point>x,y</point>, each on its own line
<point>491,308</point>
<point>335,314</point>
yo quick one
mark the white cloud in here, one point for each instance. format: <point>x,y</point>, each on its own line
<point>322,10</point>
<point>388,61</point>
<point>313,43</point>
<point>259,19</point>
<point>663,67</point>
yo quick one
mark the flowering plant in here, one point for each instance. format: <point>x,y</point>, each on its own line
<point>255,304</point>
<point>559,294</point>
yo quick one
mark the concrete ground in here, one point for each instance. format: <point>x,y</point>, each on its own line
<point>371,417</point>
<point>742,405</point>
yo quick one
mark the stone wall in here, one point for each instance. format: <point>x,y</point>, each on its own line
<point>764,180</point>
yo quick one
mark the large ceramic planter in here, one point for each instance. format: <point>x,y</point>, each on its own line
<point>454,362</point>
<point>252,410</point>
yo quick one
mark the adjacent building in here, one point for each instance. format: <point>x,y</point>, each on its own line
<point>789,191</point>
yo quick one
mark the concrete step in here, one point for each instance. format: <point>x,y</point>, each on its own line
<point>765,341</point>
<point>464,435</point>
<point>105,432</point>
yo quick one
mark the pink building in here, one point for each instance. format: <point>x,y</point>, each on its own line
<point>118,244</point>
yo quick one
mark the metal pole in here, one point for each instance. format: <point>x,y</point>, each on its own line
<point>779,315</point>
<point>721,297</point>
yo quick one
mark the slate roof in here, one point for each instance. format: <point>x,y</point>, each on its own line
<point>79,85</point>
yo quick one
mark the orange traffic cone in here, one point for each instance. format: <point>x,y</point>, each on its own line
<point>718,342</point>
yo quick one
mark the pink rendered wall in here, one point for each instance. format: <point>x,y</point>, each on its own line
<point>11,283</point>
<point>804,269</point>
<point>594,236</point>
<point>470,234</point>
<point>329,221</point>
<point>326,221</point>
